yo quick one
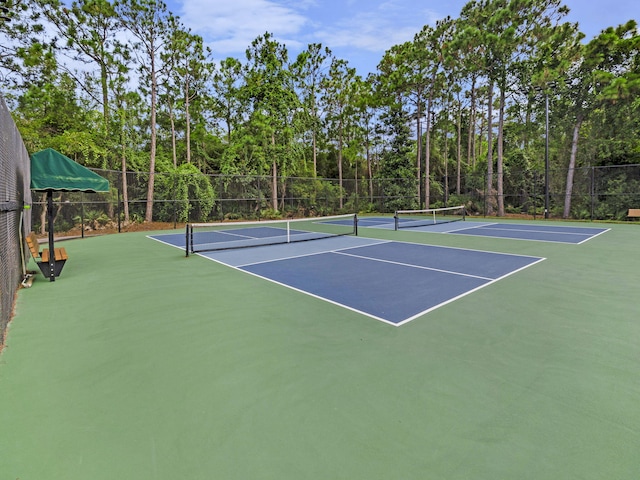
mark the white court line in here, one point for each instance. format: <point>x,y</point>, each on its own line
<point>224,253</point>
<point>596,235</point>
<point>464,294</point>
<point>535,231</point>
<point>411,265</point>
<point>273,249</point>
<point>342,251</point>
<point>302,255</point>
<point>489,226</point>
<point>166,243</point>
<point>319,297</point>
<point>470,227</point>
<point>520,239</point>
<point>231,234</point>
<point>380,319</point>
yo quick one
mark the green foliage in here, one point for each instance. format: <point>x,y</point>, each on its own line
<point>472,206</point>
<point>620,193</point>
<point>270,214</point>
<point>325,199</point>
<point>396,164</point>
<point>190,193</point>
<point>93,219</point>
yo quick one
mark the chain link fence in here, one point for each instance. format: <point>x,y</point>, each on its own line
<point>14,195</point>
<point>599,193</point>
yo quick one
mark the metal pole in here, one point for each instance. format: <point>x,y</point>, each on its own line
<point>535,198</point>
<point>593,191</point>
<point>546,156</point>
<point>118,211</point>
<point>81,214</point>
<point>52,252</point>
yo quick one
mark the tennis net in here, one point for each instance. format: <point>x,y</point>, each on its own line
<point>206,237</point>
<point>430,216</point>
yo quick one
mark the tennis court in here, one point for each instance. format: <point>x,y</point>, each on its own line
<point>540,232</point>
<point>394,282</point>
<point>141,363</point>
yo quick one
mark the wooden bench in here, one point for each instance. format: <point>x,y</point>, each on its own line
<point>42,257</point>
<point>633,213</point>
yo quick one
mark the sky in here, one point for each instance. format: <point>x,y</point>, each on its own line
<point>359,31</point>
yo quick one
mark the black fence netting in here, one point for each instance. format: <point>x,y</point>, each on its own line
<point>15,221</point>
<point>598,193</point>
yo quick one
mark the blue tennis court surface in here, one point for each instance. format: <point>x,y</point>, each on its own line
<point>393,282</point>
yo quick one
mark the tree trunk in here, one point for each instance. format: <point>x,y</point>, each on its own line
<point>187,112</point>
<point>148,216</point>
<point>174,153</point>
<point>572,166</point>
<point>340,165</point>
<point>445,158</point>
<point>419,149</point>
<point>370,173</point>
<point>125,194</point>
<point>274,178</point>
<point>459,147</point>
<point>43,215</point>
<point>471,137</point>
<point>489,192</point>
<point>314,136</point>
<point>315,154</point>
<point>500,154</point>
<point>427,152</point>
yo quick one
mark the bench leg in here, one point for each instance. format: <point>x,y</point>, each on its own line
<point>57,269</point>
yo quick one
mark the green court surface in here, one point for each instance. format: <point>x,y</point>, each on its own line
<point>139,363</point>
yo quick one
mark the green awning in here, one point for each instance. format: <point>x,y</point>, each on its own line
<point>50,170</point>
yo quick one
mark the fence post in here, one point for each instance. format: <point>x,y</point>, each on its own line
<point>535,198</point>
<point>175,213</point>
<point>118,211</point>
<point>81,214</point>
<point>484,207</point>
<point>593,191</point>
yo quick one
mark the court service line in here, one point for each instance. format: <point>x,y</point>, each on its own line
<point>471,227</point>
<point>415,266</point>
<point>231,234</point>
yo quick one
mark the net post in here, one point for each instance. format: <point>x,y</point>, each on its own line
<point>355,224</point>
<point>288,232</point>
<point>186,241</point>
<point>395,221</point>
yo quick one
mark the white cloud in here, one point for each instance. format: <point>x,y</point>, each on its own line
<point>229,26</point>
<point>377,29</point>
<point>359,28</point>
